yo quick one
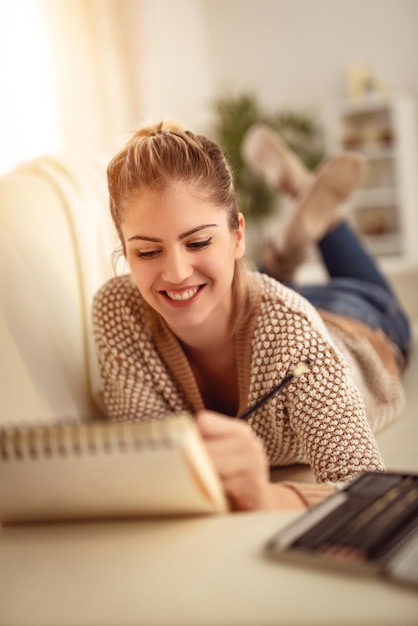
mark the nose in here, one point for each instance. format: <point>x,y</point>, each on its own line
<point>177,267</point>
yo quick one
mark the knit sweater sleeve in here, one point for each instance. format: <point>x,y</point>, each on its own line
<point>320,418</point>
<point>135,381</point>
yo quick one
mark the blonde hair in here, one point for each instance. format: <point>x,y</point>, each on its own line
<point>159,155</point>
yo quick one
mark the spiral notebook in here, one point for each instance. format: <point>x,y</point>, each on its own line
<point>106,470</point>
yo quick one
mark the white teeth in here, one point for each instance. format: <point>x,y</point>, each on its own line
<point>182,295</point>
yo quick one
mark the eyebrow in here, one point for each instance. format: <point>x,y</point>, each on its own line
<point>182,236</point>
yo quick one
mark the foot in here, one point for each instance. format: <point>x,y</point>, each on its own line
<point>319,209</point>
<point>265,153</point>
<point>318,212</point>
<point>283,265</point>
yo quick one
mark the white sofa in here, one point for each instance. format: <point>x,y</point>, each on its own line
<point>56,245</point>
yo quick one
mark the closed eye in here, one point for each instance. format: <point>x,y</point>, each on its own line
<point>148,254</point>
<point>198,245</point>
<point>191,245</point>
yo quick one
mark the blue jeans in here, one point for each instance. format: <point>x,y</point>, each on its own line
<point>357,288</point>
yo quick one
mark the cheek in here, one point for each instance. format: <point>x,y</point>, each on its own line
<point>142,274</point>
<point>222,265</point>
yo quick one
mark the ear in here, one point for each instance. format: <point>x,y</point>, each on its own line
<point>240,238</point>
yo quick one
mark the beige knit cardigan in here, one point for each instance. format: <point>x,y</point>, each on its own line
<point>320,419</point>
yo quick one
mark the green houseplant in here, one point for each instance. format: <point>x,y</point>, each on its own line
<point>233,117</point>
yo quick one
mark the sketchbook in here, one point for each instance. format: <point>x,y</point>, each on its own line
<point>92,470</point>
<point>369,527</point>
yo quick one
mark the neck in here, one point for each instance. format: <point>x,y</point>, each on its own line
<point>211,335</point>
<point>213,364</point>
<point>206,341</point>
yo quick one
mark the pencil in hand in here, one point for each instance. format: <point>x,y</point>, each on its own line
<point>295,373</point>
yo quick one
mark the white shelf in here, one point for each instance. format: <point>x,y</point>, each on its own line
<point>380,196</point>
<point>374,151</point>
<point>384,131</point>
<point>384,245</point>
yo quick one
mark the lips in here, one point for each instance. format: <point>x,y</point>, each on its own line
<point>183,295</point>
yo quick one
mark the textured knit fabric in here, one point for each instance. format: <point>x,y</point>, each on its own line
<point>376,366</point>
<point>319,419</point>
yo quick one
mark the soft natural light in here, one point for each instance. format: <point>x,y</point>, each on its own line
<point>29,122</point>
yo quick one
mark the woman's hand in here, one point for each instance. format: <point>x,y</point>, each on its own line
<point>240,460</point>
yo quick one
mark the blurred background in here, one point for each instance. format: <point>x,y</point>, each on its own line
<point>79,75</point>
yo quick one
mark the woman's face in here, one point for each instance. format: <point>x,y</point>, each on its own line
<point>182,255</point>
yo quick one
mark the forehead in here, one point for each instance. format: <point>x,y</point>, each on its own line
<point>181,204</point>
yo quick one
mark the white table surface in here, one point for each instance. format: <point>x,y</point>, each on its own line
<point>195,572</point>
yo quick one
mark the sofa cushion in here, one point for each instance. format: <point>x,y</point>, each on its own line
<point>50,266</point>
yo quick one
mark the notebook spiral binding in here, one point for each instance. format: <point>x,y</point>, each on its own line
<point>78,438</point>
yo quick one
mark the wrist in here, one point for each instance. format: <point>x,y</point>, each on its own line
<point>285,497</point>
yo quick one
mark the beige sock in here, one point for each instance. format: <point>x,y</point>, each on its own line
<point>283,265</point>
<point>265,153</point>
<point>319,209</point>
<point>317,212</point>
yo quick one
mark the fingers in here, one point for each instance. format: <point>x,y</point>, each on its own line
<point>231,440</point>
<point>239,458</point>
<point>213,424</point>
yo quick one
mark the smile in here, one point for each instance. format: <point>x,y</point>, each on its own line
<point>182,296</point>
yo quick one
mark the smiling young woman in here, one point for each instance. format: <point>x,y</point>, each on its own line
<point>191,328</point>
<point>182,255</point>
